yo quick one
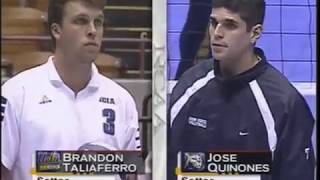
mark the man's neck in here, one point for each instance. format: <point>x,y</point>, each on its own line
<point>231,68</point>
<point>74,74</point>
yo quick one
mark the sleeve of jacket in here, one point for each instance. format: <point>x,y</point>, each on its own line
<point>294,156</point>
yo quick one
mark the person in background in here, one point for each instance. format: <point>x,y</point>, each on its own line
<point>193,33</point>
<point>66,104</point>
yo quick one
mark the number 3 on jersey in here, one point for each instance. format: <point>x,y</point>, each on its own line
<point>108,126</point>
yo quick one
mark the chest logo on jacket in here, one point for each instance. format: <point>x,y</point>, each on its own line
<point>193,121</point>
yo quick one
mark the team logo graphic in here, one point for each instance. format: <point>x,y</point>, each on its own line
<point>48,161</point>
<point>106,100</point>
<point>45,100</point>
<point>193,161</point>
<point>197,122</point>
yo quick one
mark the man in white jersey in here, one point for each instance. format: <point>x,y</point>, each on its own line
<point>65,104</point>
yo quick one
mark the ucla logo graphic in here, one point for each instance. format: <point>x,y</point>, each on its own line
<point>48,161</point>
<point>106,100</point>
<point>193,161</point>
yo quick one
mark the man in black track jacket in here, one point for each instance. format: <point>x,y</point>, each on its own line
<point>238,101</point>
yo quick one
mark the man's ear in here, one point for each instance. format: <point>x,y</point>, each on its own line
<point>55,30</point>
<point>256,32</point>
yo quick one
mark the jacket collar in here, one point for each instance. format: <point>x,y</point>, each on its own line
<point>243,77</point>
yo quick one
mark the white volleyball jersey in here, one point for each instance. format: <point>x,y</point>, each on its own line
<point>39,112</point>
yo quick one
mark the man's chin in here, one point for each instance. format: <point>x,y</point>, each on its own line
<point>90,57</point>
<point>218,57</point>
<point>87,60</point>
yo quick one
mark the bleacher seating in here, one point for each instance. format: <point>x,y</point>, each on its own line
<point>26,60</point>
<point>126,19</point>
<point>21,21</point>
<point>39,4</point>
<point>109,66</point>
<point>129,19</point>
<point>10,3</point>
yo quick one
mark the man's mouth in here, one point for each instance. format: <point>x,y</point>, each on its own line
<point>218,45</point>
<point>91,44</point>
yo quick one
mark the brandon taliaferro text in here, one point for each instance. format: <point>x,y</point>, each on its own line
<point>95,162</point>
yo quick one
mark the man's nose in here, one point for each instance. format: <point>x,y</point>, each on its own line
<point>92,30</point>
<point>217,31</point>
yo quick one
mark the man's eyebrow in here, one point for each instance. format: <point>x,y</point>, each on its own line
<point>232,21</point>
<point>227,20</point>
<point>81,15</point>
<point>100,16</point>
<point>212,18</point>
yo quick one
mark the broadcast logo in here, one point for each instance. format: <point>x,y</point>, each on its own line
<point>48,161</point>
<point>194,161</point>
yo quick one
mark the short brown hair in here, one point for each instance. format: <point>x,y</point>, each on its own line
<point>251,11</point>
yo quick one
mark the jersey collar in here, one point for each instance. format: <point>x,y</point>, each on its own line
<point>55,79</point>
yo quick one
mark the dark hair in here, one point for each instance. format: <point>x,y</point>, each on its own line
<point>251,11</point>
<point>56,11</point>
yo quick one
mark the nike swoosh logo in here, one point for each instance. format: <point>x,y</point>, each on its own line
<point>243,133</point>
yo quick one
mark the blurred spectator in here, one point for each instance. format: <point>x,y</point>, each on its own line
<point>193,33</point>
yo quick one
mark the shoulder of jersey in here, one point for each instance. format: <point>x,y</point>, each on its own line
<point>193,74</point>
<point>275,80</point>
<point>33,76</point>
<point>199,70</point>
<point>109,84</point>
